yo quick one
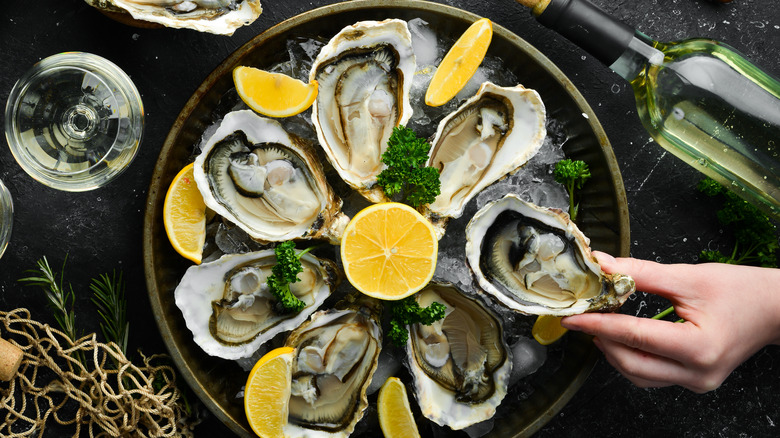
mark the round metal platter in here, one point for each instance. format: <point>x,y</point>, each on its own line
<point>604,220</point>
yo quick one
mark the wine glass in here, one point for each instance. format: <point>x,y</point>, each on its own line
<point>74,121</point>
<point>6,217</point>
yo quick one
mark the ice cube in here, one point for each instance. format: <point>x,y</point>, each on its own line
<point>424,42</point>
<point>387,366</point>
<point>527,357</point>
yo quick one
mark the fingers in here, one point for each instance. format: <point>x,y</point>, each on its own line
<point>642,368</point>
<point>661,338</point>
<point>669,281</point>
<point>647,370</point>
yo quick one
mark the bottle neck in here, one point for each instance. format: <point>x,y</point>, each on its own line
<point>640,53</point>
<point>611,41</point>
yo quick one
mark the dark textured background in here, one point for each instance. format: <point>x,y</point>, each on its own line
<point>671,222</point>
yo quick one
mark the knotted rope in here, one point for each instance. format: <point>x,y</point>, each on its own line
<point>86,384</point>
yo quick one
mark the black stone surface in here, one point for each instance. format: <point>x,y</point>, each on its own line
<point>671,222</point>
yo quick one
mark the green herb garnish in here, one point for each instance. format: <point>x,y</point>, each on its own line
<point>755,235</point>
<point>572,174</point>
<point>408,311</point>
<point>406,176</point>
<point>61,298</point>
<point>285,271</point>
<point>109,298</point>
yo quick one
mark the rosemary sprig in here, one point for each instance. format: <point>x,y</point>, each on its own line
<point>61,299</point>
<point>109,298</point>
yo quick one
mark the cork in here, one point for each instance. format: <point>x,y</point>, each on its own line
<point>10,359</point>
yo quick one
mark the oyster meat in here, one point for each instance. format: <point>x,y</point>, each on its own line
<point>214,16</point>
<point>336,355</point>
<point>227,305</point>
<point>267,181</point>
<point>492,134</point>
<point>461,363</point>
<point>364,73</point>
<point>535,260</point>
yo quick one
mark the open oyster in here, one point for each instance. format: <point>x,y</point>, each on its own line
<point>214,16</point>
<point>229,309</point>
<point>364,73</point>
<point>536,261</point>
<point>267,181</point>
<point>460,364</point>
<point>492,134</point>
<point>336,354</point>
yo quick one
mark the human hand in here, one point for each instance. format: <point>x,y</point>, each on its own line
<point>730,313</point>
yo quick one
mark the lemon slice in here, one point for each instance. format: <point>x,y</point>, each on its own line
<point>267,393</point>
<point>460,63</point>
<point>389,251</point>
<point>395,414</point>
<point>184,215</point>
<point>273,94</point>
<point>548,329</point>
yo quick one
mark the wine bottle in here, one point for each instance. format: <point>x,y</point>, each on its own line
<point>699,99</point>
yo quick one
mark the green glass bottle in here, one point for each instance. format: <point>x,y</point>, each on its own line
<point>699,99</point>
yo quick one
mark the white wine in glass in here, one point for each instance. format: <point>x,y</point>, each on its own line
<point>74,121</point>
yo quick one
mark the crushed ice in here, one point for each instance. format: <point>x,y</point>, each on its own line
<point>533,182</point>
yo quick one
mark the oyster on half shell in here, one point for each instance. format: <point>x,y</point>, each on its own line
<point>461,363</point>
<point>336,355</point>
<point>489,136</point>
<point>535,260</point>
<point>229,309</point>
<point>214,16</point>
<point>267,181</point>
<point>365,74</point>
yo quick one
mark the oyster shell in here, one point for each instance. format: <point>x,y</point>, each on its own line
<point>461,363</point>
<point>535,260</point>
<point>229,310</point>
<point>490,135</point>
<point>336,355</point>
<point>267,181</point>
<point>214,16</point>
<point>364,73</point>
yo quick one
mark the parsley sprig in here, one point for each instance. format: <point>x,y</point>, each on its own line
<point>406,312</point>
<point>572,174</point>
<point>285,271</point>
<point>406,176</point>
<point>754,233</point>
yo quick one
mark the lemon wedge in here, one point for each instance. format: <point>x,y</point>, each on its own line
<point>184,215</point>
<point>273,94</point>
<point>460,63</point>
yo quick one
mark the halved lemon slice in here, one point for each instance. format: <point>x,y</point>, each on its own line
<point>267,393</point>
<point>395,414</point>
<point>184,215</point>
<point>460,63</point>
<point>389,251</point>
<point>548,329</point>
<point>273,94</point>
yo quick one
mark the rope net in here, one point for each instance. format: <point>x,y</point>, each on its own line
<point>87,385</point>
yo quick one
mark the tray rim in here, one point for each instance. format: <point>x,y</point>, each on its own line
<point>157,183</point>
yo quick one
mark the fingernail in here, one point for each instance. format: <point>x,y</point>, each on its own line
<point>570,323</point>
<point>603,257</point>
